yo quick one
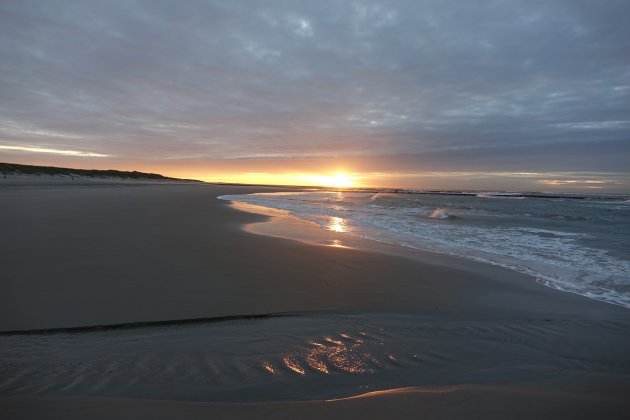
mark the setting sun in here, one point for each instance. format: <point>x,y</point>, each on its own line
<point>334,180</point>
<point>339,180</point>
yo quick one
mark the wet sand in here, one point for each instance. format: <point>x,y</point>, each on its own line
<point>360,320</point>
<point>534,401</point>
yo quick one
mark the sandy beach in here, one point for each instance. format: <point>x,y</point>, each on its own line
<point>159,301</point>
<point>321,209</point>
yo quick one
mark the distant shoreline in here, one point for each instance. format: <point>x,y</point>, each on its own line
<point>21,170</point>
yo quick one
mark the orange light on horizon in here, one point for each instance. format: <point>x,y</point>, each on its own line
<point>338,180</point>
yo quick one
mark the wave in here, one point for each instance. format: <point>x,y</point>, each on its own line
<point>439,214</point>
<point>500,195</point>
<point>375,192</point>
<point>551,232</point>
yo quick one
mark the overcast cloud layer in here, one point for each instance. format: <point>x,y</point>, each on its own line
<point>397,85</point>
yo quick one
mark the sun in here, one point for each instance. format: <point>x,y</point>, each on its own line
<point>339,180</point>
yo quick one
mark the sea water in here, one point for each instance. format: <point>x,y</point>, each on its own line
<point>575,243</point>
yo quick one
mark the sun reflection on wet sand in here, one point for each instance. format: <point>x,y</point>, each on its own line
<point>292,364</point>
<point>282,224</point>
<point>314,362</point>
<point>333,341</point>
<point>269,367</point>
<point>337,244</point>
<point>329,353</point>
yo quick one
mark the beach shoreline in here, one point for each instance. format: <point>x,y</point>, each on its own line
<point>544,238</point>
<point>78,256</point>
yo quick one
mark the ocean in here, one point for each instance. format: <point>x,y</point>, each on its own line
<point>575,243</point>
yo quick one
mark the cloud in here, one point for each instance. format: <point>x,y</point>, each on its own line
<point>476,85</point>
<point>52,151</point>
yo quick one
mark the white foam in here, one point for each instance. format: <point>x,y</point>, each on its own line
<point>439,214</point>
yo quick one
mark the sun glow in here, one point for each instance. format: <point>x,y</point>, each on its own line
<point>339,180</point>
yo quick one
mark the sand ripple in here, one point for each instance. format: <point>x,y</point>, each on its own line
<point>306,357</point>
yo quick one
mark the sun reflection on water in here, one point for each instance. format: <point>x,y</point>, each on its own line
<point>337,224</point>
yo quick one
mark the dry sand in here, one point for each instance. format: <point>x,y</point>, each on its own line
<point>361,321</point>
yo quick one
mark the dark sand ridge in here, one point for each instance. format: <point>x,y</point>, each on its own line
<point>119,254</point>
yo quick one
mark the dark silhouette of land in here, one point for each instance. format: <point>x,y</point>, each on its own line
<point>17,169</point>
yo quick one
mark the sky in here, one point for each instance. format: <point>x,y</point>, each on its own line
<point>502,94</point>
